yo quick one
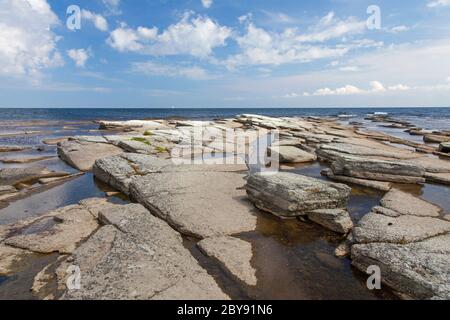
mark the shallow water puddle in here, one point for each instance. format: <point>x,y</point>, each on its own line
<point>295,259</point>
<point>434,193</point>
<point>68,193</point>
<point>17,286</point>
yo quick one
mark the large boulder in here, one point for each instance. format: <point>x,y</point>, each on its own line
<point>290,195</point>
<point>82,155</point>
<point>137,256</point>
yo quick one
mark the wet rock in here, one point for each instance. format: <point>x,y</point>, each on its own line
<point>407,204</point>
<point>186,200</point>
<point>377,185</point>
<point>23,160</point>
<point>444,147</point>
<point>343,250</point>
<point>380,170</point>
<point>82,155</point>
<point>337,220</point>
<point>234,256</point>
<point>92,139</point>
<point>289,195</point>
<point>404,229</point>
<point>59,179</point>
<point>55,141</point>
<point>139,257</point>
<point>419,270</point>
<point>433,138</point>
<point>442,178</point>
<point>59,231</point>
<point>7,190</point>
<point>132,124</point>
<point>290,154</point>
<point>9,257</point>
<point>15,176</point>
<point>13,148</point>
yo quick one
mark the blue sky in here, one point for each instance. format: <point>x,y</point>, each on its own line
<point>224,53</point>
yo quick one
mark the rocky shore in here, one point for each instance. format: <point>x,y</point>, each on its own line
<point>196,180</point>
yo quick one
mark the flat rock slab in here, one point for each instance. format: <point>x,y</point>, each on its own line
<point>199,204</point>
<point>290,195</point>
<point>119,171</point>
<point>23,160</point>
<point>337,220</point>
<point>377,185</point>
<point>407,204</point>
<point>380,170</point>
<point>405,229</point>
<point>139,257</point>
<point>60,231</point>
<point>14,176</point>
<point>137,147</point>
<point>234,256</point>
<point>441,178</point>
<point>56,231</point>
<point>7,190</point>
<point>375,150</point>
<point>13,148</point>
<point>82,155</point>
<point>10,256</point>
<point>420,270</point>
<point>290,154</point>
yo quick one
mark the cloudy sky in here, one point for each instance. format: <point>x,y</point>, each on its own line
<point>224,53</point>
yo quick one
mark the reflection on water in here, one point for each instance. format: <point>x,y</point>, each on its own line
<point>70,192</point>
<point>295,260</point>
<point>437,194</point>
<point>17,287</point>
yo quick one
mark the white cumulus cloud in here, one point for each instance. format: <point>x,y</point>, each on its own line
<point>207,3</point>
<point>98,20</point>
<point>27,42</point>
<point>192,35</point>
<point>79,56</point>
<point>438,3</point>
<point>262,47</point>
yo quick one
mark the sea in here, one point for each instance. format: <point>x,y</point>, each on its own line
<point>426,118</point>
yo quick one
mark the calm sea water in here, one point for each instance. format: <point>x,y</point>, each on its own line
<point>432,118</point>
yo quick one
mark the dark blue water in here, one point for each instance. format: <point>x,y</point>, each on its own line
<point>129,114</point>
